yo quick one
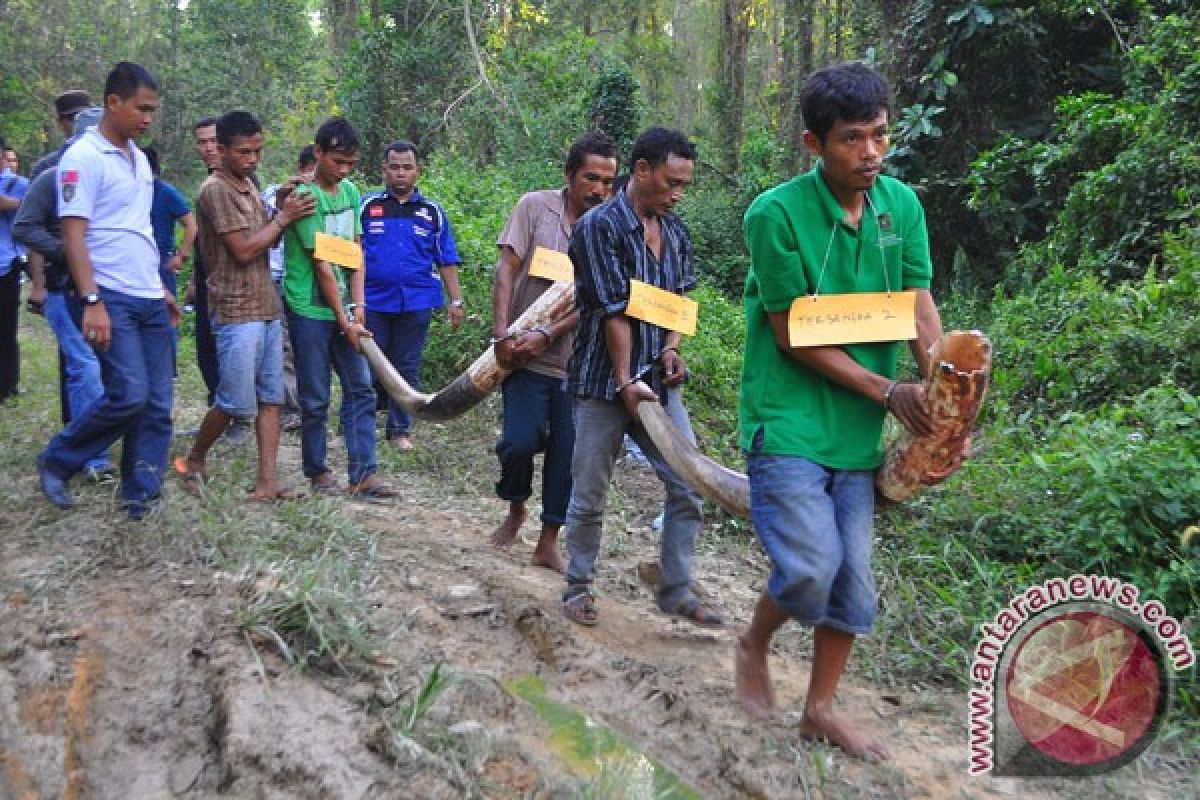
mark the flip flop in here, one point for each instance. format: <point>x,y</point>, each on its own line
<point>325,483</point>
<point>282,495</point>
<point>193,482</point>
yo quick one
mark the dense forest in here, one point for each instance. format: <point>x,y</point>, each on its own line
<point>1055,145</point>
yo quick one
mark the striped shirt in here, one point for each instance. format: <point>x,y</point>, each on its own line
<point>608,248</point>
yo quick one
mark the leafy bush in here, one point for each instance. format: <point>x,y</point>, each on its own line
<point>1107,492</point>
<point>1072,344</point>
<point>1114,175</point>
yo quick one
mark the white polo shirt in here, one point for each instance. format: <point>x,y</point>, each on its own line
<point>99,183</point>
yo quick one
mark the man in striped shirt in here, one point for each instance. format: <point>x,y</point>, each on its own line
<point>620,361</point>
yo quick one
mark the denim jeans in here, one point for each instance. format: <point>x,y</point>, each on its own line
<point>318,345</point>
<point>816,525</point>
<point>81,368</point>
<point>401,337</point>
<point>600,428</point>
<point>171,281</point>
<point>136,407</point>
<point>537,416</point>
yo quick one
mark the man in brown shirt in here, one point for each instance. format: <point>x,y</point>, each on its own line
<point>235,237</point>
<point>537,407</point>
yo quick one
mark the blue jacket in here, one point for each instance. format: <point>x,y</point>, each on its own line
<point>404,244</point>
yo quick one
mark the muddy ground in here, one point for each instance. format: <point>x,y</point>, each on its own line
<point>137,662</point>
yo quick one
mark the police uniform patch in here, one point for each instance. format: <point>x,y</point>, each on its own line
<point>70,181</point>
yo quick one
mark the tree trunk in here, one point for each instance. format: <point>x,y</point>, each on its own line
<point>730,95</point>
<point>798,56</point>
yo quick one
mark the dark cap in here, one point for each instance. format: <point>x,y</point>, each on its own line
<point>71,102</point>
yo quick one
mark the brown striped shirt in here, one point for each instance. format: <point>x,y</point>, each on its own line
<point>237,292</point>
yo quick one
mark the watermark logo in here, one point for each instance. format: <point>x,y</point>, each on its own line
<point>1073,677</point>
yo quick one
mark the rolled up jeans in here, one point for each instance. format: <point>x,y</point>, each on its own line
<point>82,368</point>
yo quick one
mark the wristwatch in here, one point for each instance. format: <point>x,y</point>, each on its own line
<point>91,299</point>
<point>458,303</point>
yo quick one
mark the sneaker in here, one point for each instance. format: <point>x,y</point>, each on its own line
<point>98,473</point>
<point>54,487</point>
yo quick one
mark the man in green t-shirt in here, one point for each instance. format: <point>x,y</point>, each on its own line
<point>326,319</point>
<point>811,417</point>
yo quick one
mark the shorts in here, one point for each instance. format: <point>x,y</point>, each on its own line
<point>250,366</point>
<point>816,525</point>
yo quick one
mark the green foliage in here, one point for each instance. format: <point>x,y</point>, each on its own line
<point>1116,173</point>
<point>1109,492</point>
<point>714,360</point>
<point>614,105</point>
<point>1070,344</point>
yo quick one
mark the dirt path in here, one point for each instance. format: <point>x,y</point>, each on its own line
<point>131,667</point>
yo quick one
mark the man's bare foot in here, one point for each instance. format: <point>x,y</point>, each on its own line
<point>830,727</point>
<point>548,557</point>
<point>506,533</point>
<point>752,680</point>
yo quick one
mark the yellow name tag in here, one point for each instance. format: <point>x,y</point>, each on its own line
<point>336,250</point>
<point>551,265</point>
<point>662,308</point>
<point>852,318</point>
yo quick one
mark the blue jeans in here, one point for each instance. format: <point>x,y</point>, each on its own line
<point>401,337</point>
<point>81,368</point>
<point>136,407</point>
<point>319,345</point>
<point>170,281</point>
<point>600,428</point>
<point>815,524</point>
<point>537,416</point>
<point>250,356</point>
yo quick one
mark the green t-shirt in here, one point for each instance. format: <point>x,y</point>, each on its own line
<point>792,231</point>
<point>337,215</point>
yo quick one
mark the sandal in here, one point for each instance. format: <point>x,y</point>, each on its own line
<point>692,610</point>
<point>580,608</point>
<point>324,483</point>
<point>193,482</point>
<point>372,490</point>
<point>282,495</point>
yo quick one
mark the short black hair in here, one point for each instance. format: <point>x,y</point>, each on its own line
<point>236,123</point>
<point>152,157</point>
<point>593,143</point>
<point>307,157</point>
<point>656,145</point>
<point>204,122</point>
<point>402,146</point>
<point>336,133</point>
<point>851,92</point>
<point>126,78</point>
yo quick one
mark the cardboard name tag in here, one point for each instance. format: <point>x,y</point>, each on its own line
<point>852,318</point>
<point>551,265</point>
<point>662,308</point>
<point>336,250</point>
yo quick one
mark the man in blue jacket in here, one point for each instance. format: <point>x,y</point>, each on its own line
<point>410,259</point>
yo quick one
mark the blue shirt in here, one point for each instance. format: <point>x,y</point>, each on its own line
<point>608,248</point>
<point>404,244</point>
<point>11,185</point>
<point>169,206</point>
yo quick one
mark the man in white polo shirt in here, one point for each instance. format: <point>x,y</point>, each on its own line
<point>105,193</point>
